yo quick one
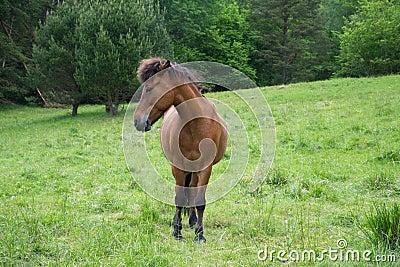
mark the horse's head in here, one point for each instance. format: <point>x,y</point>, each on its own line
<point>165,83</point>
<point>157,95</point>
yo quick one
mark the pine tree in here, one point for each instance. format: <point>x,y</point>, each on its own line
<point>291,42</point>
<point>55,57</point>
<point>17,33</point>
<point>113,37</point>
<point>93,48</point>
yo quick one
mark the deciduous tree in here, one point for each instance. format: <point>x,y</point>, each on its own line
<point>335,13</point>
<point>211,30</point>
<point>370,41</point>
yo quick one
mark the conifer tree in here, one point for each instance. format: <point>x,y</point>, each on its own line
<point>113,37</point>
<point>55,57</point>
<point>291,43</point>
<point>93,48</point>
<point>18,20</point>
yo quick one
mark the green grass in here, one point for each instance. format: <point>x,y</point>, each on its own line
<point>382,226</point>
<point>67,198</point>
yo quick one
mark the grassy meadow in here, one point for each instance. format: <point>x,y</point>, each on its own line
<point>67,198</point>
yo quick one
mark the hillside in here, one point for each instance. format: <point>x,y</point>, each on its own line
<point>67,198</point>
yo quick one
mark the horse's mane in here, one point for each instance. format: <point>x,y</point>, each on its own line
<point>149,67</point>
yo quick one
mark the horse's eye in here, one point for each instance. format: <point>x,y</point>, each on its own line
<point>148,89</point>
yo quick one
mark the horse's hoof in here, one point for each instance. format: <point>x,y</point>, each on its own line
<point>199,239</point>
<point>178,236</point>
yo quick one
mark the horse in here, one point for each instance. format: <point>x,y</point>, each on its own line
<point>193,135</point>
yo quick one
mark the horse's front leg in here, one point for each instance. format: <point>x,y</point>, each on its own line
<point>203,178</point>
<point>178,223</point>
<point>199,230</point>
<point>180,201</point>
<point>192,194</point>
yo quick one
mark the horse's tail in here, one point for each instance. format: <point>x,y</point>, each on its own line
<point>187,183</point>
<point>188,179</point>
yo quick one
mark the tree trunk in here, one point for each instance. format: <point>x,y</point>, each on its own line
<point>114,109</point>
<point>285,32</point>
<point>75,106</point>
<point>112,105</point>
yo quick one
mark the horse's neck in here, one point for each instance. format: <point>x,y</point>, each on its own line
<point>193,105</point>
<point>185,93</point>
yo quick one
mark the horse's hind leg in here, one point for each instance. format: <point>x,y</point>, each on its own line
<point>180,202</point>
<point>200,207</point>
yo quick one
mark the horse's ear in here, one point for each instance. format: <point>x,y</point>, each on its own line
<point>166,65</point>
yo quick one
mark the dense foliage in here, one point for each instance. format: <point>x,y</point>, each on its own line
<point>88,50</point>
<point>291,45</point>
<point>92,49</point>
<point>55,58</point>
<point>369,45</point>
<point>218,31</point>
<point>113,36</point>
<point>17,33</point>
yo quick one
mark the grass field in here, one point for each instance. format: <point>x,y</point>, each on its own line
<point>67,198</point>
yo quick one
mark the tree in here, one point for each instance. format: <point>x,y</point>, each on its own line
<point>187,22</point>
<point>369,44</point>
<point>335,13</point>
<point>231,40</point>
<point>55,56</point>
<point>17,33</point>
<point>211,30</point>
<point>291,44</point>
<point>113,37</point>
<point>93,48</point>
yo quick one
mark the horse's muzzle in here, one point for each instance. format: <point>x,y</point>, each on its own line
<point>143,125</point>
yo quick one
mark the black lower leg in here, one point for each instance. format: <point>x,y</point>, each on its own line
<point>180,200</point>
<point>199,227</point>
<point>192,217</point>
<point>178,223</point>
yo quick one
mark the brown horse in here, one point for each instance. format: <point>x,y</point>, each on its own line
<point>193,135</point>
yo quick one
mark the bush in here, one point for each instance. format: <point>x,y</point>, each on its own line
<point>369,44</point>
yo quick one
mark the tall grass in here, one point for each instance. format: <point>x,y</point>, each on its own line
<point>382,226</point>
